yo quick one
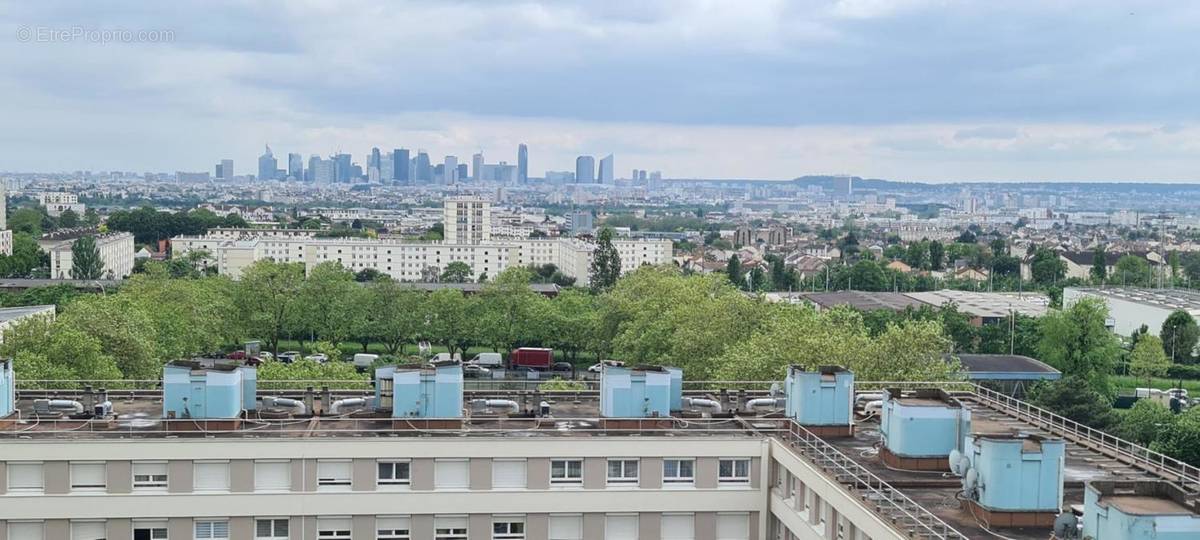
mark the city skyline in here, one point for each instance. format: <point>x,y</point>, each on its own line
<point>753,90</point>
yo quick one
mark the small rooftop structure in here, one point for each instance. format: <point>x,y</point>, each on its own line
<point>1008,373</point>
<point>220,391</point>
<point>8,388</point>
<point>1012,480</point>
<point>1139,511</point>
<point>921,427</point>
<point>638,392</point>
<point>434,390</point>
<point>822,400</point>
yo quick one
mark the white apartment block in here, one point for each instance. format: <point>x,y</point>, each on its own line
<point>57,202</point>
<point>116,251</point>
<point>467,220</point>
<point>6,241</point>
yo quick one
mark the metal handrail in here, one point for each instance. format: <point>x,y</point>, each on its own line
<point>833,462</point>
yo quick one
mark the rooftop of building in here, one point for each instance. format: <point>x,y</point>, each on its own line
<point>863,300</point>
<point>1170,299</point>
<point>14,313</point>
<point>989,305</point>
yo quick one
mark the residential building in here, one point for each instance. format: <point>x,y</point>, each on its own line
<point>1131,307</point>
<point>57,202</point>
<point>467,220</point>
<point>116,252</point>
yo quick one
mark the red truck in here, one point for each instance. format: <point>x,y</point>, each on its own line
<point>531,357</point>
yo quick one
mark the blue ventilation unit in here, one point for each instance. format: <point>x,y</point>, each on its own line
<point>249,388</point>
<point>820,398</point>
<point>1139,511</point>
<point>192,391</point>
<point>8,388</point>
<point>641,392</point>
<point>925,423</point>
<point>676,388</point>
<point>1016,473</point>
<point>416,391</point>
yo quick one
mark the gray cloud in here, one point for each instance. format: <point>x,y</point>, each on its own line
<point>987,133</point>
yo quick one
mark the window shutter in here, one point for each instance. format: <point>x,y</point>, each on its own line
<point>272,476</point>
<point>508,474</point>
<point>451,474</point>
<point>88,475</point>
<point>678,527</point>
<point>25,477</point>
<point>24,530</point>
<point>566,527</point>
<point>87,530</point>
<point>393,523</point>
<point>621,527</point>
<point>329,525</point>
<point>333,472</point>
<point>733,526</point>
<point>212,476</point>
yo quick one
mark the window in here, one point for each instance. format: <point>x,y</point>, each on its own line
<point>450,527</point>
<point>333,528</point>
<point>734,471</point>
<point>150,475</point>
<point>87,530</point>
<point>566,527</point>
<point>622,471</point>
<point>733,526</point>
<point>508,528</point>
<point>566,471</point>
<point>211,476</point>
<point>212,530</point>
<point>678,527</point>
<point>271,529</point>
<point>272,476</point>
<point>149,530</point>
<point>392,528</point>
<point>25,530</point>
<point>678,471</point>
<point>621,527</point>
<point>393,473</point>
<point>509,474</point>
<point>87,476</point>
<point>451,474</point>
<point>25,477</point>
<point>333,475</point>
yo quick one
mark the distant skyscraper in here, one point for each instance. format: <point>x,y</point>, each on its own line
<point>522,163</point>
<point>450,175</point>
<point>477,167</point>
<point>320,170</point>
<point>607,173</point>
<point>267,165</point>
<point>342,168</point>
<point>400,165</point>
<point>585,169</point>
<point>296,166</point>
<point>424,172</point>
<point>462,171</point>
<point>226,170</point>
<point>375,159</point>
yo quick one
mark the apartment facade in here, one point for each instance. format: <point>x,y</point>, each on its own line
<point>116,251</point>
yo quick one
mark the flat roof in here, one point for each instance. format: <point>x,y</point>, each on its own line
<point>987,304</point>
<point>14,313</point>
<point>1169,299</point>
<point>862,300</point>
<point>1006,366</point>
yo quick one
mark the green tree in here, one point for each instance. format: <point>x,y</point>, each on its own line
<point>274,375</point>
<point>26,259</point>
<point>510,312</point>
<point>85,259</point>
<point>1099,271</point>
<point>1180,335</point>
<point>91,218</point>
<point>68,219</point>
<point>1077,342</point>
<point>1075,398</point>
<point>937,255</point>
<point>268,296</point>
<point>733,269</point>
<point>572,323</point>
<point>1132,270</point>
<point>456,272</point>
<point>1144,422</point>
<point>606,262</point>
<point>326,303</point>
<point>1182,440</point>
<point>396,314</point>
<point>451,319</point>
<point>1046,267</point>
<point>1148,359</point>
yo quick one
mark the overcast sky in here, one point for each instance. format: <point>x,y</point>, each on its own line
<point>901,89</point>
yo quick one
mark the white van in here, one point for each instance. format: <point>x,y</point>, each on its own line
<point>363,361</point>
<point>488,359</point>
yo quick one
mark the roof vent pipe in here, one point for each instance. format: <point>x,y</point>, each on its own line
<point>297,406</point>
<point>774,403</point>
<point>701,403</point>
<point>512,406</point>
<point>338,406</point>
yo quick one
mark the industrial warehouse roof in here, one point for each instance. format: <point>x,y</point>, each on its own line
<point>1169,299</point>
<point>16,313</point>
<point>976,304</point>
<point>863,300</point>
<point>1006,367</point>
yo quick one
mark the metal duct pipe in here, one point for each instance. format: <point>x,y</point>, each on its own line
<point>296,405</point>
<point>702,403</point>
<point>766,402</point>
<point>512,406</point>
<point>337,406</point>
<point>67,404</point>
<point>861,397</point>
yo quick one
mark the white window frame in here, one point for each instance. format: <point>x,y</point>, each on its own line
<point>524,464</point>
<point>39,525</point>
<point>287,475</point>
<point>623,479</point>
<point>87,522</point>
<point>26,488</point>
<point>103,486</point>
<point>213,524</point>
<point>334,528</point>
<point>442,532</point>
<point>393,482</point>
<point>224,484</point>
<point>154,526</point>
<point>152,481</point>
<point>274,534</point>
<point>393,532</point>
<point>678,479</point>
<point>735,478</point>
<point>507,522</point>
<point>335,483</point>
<point>567,479</point>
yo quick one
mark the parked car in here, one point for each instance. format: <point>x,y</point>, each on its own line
<point>318,358</point>
<point>288,357</point>
<point>363,361</point>
<point>488,359</point>
<point>475,370</point>
<point>563,367</point>
<point>265,355</point>
<point>599,366</point>
<point>237,355</point>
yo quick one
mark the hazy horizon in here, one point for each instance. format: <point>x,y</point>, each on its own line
<point>908,90</point>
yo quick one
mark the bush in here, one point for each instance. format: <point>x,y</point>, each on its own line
<point>1145,422</point>
<point>560,385</point>
<point>1183,371</point>
<point>1074,398</point>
